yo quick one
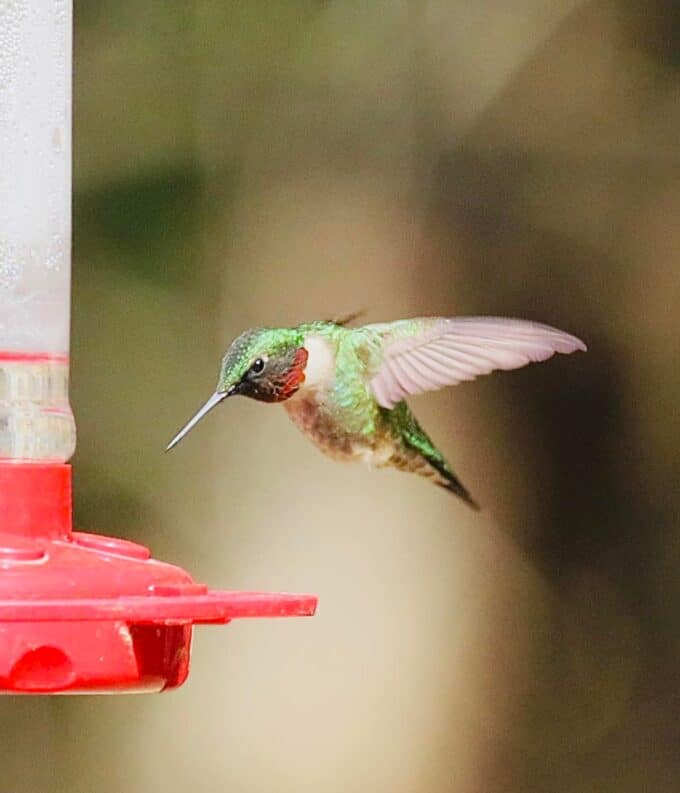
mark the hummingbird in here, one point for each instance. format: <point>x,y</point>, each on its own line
<point>345,387</point>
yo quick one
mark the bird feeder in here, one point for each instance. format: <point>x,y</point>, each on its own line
<point>78,612</point>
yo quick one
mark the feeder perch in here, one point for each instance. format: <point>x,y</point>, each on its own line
<point>79,612</point>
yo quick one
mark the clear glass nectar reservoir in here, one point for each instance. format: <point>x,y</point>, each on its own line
<point>35,229</point>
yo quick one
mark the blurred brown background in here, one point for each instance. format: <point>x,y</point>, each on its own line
<point>243,163</point>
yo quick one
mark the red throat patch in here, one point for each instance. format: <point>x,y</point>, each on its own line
<point>295,376</point>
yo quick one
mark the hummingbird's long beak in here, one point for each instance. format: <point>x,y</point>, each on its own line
<point>215,399</point>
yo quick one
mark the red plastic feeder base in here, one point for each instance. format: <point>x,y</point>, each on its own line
<point>82,613</point>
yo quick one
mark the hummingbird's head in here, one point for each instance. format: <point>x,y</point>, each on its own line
<point>267,364</point>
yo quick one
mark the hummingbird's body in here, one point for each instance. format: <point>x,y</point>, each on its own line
<point>344,387</point>
<point>336,409</point>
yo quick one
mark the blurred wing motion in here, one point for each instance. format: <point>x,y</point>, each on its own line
<point>426,354</point>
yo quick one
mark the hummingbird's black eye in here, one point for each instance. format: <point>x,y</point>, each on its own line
<point>258,366</point>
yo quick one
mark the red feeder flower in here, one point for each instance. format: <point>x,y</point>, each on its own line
<point>83,612</point>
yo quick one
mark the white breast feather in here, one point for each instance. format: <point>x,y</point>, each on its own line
<point>320,368</point>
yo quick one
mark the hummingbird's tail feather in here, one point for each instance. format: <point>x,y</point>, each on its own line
<point>417,453</point>
<point>451,483</point>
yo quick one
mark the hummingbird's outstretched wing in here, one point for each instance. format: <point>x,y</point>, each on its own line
<point>419,355</point>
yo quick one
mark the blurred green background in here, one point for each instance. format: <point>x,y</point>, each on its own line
<point>244,163</point>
